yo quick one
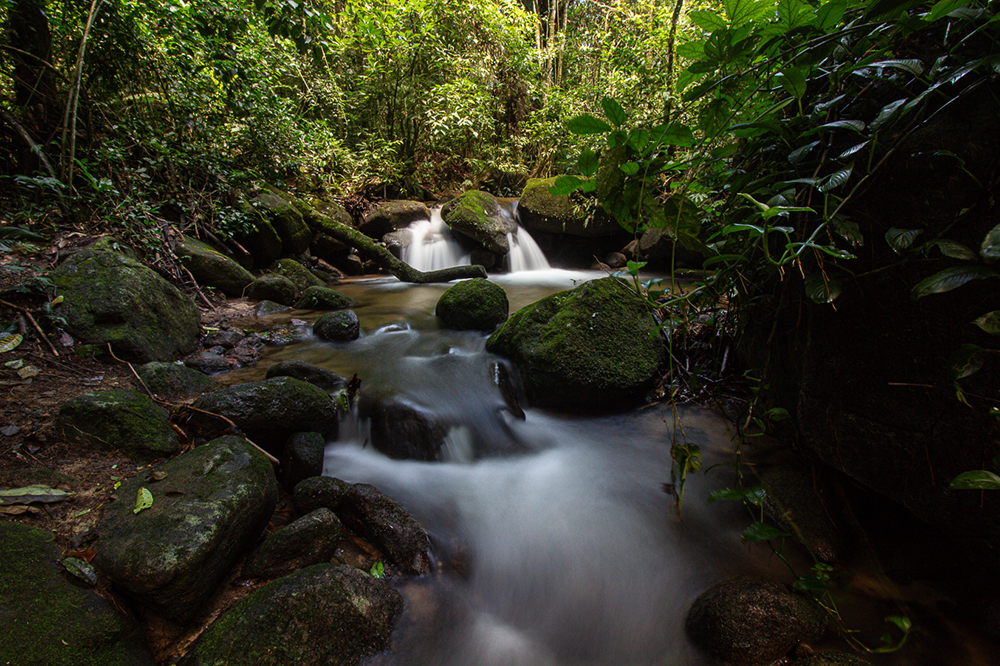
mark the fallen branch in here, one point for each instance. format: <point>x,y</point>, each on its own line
<point>33,323</point>
<point>237,429</point>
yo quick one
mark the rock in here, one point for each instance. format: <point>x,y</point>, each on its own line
<point>119,419</point>
<point>615,260</point>
<point>540,211</point>
<point>801,502</point>
<point>212,268</point>
<point>211,504</point>
<point>397,241</point>
<point>173,379</point>
<point>323,615</point>
<point>319,214</point>
<point>275,288</point>
<point>227,339</point>
<point>323,298</point>
<point>752,622</point>
<point>311,539</point>
<point>330,249</point>
<point>353,264</point>
<point>478,217</point>
<point>384,523</point>
<point>268,411</point>
<point>266,307</point>
<point>48,620</point>
<point>297,273</point>
<point>209,362</point>
<point>287,221</point>
<point>593,347</point>
<point>393,215</point>
<point>262,242</point>
<point>504,183</point>
<point>319,492</point>
<point>400,429</point>
<point>500,375</point>
<point>476,304</point>
<point>660,248</point>
<point>302,458</point>
<point>828,658</point>
<point>321,377</point>
<point>342,326</point>
<point>109,298</point>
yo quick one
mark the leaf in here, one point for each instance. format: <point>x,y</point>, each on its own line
<point>820,289</point>
<point>793,81</point>
<point>954,249</point>
<point>829,14</point>
<point>991,245</point>
<point>28,371</point>
<point>143,500</point>
<point>708,21</point>
<point>588,162</point>
<point>951,278</point>
<point>614,111</point>
<point>964,361</point>
<point>630,168</point>
<point>901,239</point>
<point>888,113</point>
<point>911,65</point>
<point>796,155</point>
<point>378,569</point>
<point>943,8</point>
<point>853,149</point>
<point>565,185</point>
<point>977,479</point>
<point>989,322</point>
<point>752,494</point>
<point>761,532</point>
<point>836,179</point>
<point>638,140</point>
<point>81,569</point>
<point>901,622</point>
<point>672,134</point>
<point>9,342</point>
<point>34,493</point>
<point>848,229</point>
<point>855,125</point>
<point>587,124</point>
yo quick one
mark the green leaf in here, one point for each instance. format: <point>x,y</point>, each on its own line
<point>829,14</point>
<point>672,134</point>
<point>853,149</point>
<point>964,361</point>
<point>378,569</point>
<point>143,500</point>
<point>911,65</point>
<point>888,113</point>
<point>762,532</point>
<point>820,289</point>
<point>943,8</point>
<point>708,21</point>
<point>630,168</point>
<point>854,125</point>
<point>848,229</point>
<point>614,111</point>
<point>951,278</point>
<point>989,322</point>
<point>638,140</point>
<point>741,12</point>
<point>901,622</point>
<point>836,179</point>
<point>796,155</point>
<point>978,479</point>
<point>587,124</point>
<point>9,342</point>
<point>793,81</point>
<point>34,493</point>
<point>954,249</point>
<point>777,414</point>
<point>565,185</point>
<point>753,495</point>
<point>901,239</point>
<point>991,245</point>
<point>588,162</point>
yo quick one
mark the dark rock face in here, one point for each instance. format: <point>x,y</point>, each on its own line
<point>752,622</point>
<point>276,288</point>
<point>312,539</point>
<point>48,620</point>
<point>592,347</point>
<point>478,218</point>
<point>387,525</point>
<point>832,659</point>
<point>323,298</point>
<point>302,458</point>
<point>211,504</point>
<point>393,215</point>
<point>321,377</point>
<point>400,429</point>
<point>342,326</point>
<point>541,211</point>
<point>173,379</point>
<point>212,268</point>
<point>297,273</point>
<point>287,221</point>
<point>262,241</point>
<point>268,412</point>
<point>320,492</point>
<point>323,615</point>
<point>120,419</point>
<point>799,500</point>
<point>661,249</point>
<point>110,298</point>
<point>476,304</point>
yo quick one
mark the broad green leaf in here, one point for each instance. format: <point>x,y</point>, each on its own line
<point>794,13</point>
<point>901,622</point>
<point>989,322</point>
<point>991,245</point>
<point>943,8</point>
<point>378,569</point>
<point>951,278</point>
<point>34,493</point>
<point>672,134</point>
<point>820,289</point>
<point>829,14</point>
<point>741,12</point>
<point>762,532</point>
<point>614,111</point>
<point>588,162</point>
<point>754,494</point>
<point>587,124</point>
<point>964,361</point>
<point>796,155</point>
<point>853,149</point>
<point>143,500</point>
<point>589,185</point>
<point>954,249</point>
<point>777,414</point>
<point>638,140</point>
<point>888,113</point>
<point>695,49</point>
<point>630,168</point>
<point>806,583</point>
<point>837,179</point>
<point>855,125</point>
<point>784,210</point>
<point>977,479</point>
<point>708,21</point>
<point>11,341</point>
<point>736,228</point>
<point>911,65</point>
<point>793,81</point>
<point>565,185</point>
<point>901,239</point>
<point>848,229</point>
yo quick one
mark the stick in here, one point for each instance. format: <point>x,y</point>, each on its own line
<point>237,428</point>
<point>33,323</point>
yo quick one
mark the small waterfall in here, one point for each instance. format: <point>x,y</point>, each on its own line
<point>525,255</point>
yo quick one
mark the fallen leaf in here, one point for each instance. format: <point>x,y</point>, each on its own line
<point>11,341</point>
<point>66,340</point>
<point>158,475</point>
<point>17,509</point>
<point>87,554</point>
<point>143,500</point>
<point>15,364</point>
<point>9,431</point>
<point>29,494</point>
<point>81,569</point>
<point>28,371</point>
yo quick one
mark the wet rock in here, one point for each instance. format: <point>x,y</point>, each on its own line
<point>476,304</point>
<point>400,429</point>
<point>212,268</point>
<point>109,298</point>
<point>828,658</point>
<point>298,274</point>
<point>209,362</point>
<point>384,523</point>
<point>752,622</point>
<point>615,260</point>
<point>311,539</point>
<point>504,183</point>
<point>211,503</point>
<point>799,501</point>
<point>342,326</point>
<point>397,241</point>
<point>323,615</point>
<point>48,620</point>
<point>226,339</point>
<point>277,288</point>
<point>288,222</point>
<point>266,307</point>
<point>321,377</point>
<point>120,419</point>
<point>660,248</point>
<point>319,492</point>
<point>478,218</point>
<point>393,215</point>
<point>173,379</point>
<point>595,346</point>
<point>541,211</point>
<point>323,298</point>
<point>262,241</point>
<point>268,411</point>
<point>500,375</point>
<point>302,458</point>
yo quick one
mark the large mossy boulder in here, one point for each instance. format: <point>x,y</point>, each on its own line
<point>595,346</point>
<point>212,268</point>
<point>287,221</point>
<point>323,298</point>
<point>476,304</point>
<point>261,240</point>
<point>478,218</point>
<point>323,615</point>
<point>275,288</point>
<point>393,215</point>
<point>297,273</point>
<point>48,620</point>
<point>268,411</point>
<point>209,505</point>
<point>340,326</point>
<point>118,419</point>
<point>541,211</point>
<point>111,299</point>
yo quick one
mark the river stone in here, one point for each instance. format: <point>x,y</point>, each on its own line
<point>262,241</point>
<point>212,503</point>
<point>400,429</point>
<point>292,229</point>
<point>393,215</point>
<point>212,268</point>
<point>297,273</point>
<point>321,377</point>
<point>323,615</point>
<point>320,492</point>
<point>268,411</point>
<point>109,298</point>
<point>384,523</point>
<point>266,307</point>
<point>302,458</point>
<point>475,304</point>
<point>752,622</point>
<point>323,298</point>
<point>341,326</point>
<point>595,346</point>
<point>397,241</point>
<point>311,539</point>
<point>173,379</point>
<point>210,361</point>
<point>828,658</point>
<point>119,419</point>
<point>541,211</point>
<point>48,620</point>
<point>478,217</point>
<point>277,288</point>
<point>799,500</point>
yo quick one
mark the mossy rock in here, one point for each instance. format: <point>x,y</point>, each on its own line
<point>261,240</point>
<point>297,273</point>
<point>48,620</point>
<point>541,211</point>
<point>320,214</point>
<point>478,217</point>
<point>321,377</point>
<point>829,658</point>
<point>323,298</point>
<point>111,299</point>
<point>311,539</point>
<point>173,379</point>
<point>276,288</point>
<point>595,346</point>
<point>295,234</point>
<point>212,268</point>
<point>266,308</point>
<point>342,326</point>
<point>302,458</point>
<point>476,304</point>
<point>119,419</point>
<point>392,215</point>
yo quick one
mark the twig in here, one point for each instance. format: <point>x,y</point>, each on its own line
<point>33,323</point>
<point>141,383</point>
<point>237,428</point>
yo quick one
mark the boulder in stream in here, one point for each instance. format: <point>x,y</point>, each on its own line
<point>401,429</point>
<point>393,215</point>
<point>475,304</point>
<point>323,298</point>
<point>277,288</point>
<point>478,217</point>
<point>321,377</point>
<point>541,211</point>
<point>312,539</point>
<point>120,419</point>
<point>297,273</point>
<point>340,326</point>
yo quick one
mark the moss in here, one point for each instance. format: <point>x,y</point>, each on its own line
<point>295,234</point>
<point>213,268</point>
<point>297,273</point>
<point>323,298</point>
<point>120,419</point>
<point>277,288</point>
<point>477,216</point>
<point>475,304</point>
<point>173,379</point>
<point>262,241</point>
<point>342,326</point>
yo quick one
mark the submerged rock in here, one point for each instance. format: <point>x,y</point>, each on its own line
<point>476,304</point>
<point>323,298</point>
<point>400,429</point>
<point>120,419</point>
<point>211,503</point>
<point>478,217</point>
